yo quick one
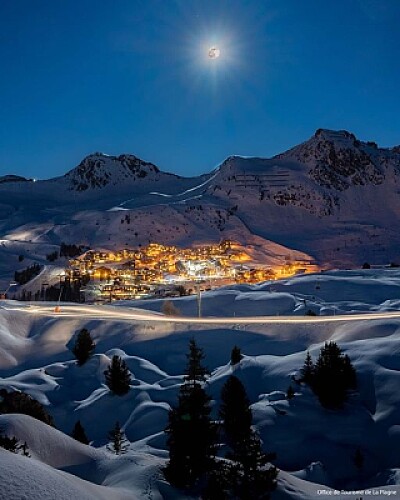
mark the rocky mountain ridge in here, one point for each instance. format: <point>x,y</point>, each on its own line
<point>337,160</point>
<point>98,170</point>
<point>332,198</point>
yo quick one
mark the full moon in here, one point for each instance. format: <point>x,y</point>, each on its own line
<point>214,52</point>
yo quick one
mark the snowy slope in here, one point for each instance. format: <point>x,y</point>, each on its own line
<point>315,446</point>
<point>23,478</point>
<point>323,197</point>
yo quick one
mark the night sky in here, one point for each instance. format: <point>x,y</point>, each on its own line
<point>133,76</point>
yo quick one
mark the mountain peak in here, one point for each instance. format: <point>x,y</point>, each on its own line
<point>326,134</point>
<point>98,170</point>
<point>13,178</point>
<point>339,138</point>
<point>336,159</point>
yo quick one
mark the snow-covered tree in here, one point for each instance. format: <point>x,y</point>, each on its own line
<point>118,443</point>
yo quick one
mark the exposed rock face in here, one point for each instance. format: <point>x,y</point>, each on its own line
<point>98,170</point>
<point>337,160</point>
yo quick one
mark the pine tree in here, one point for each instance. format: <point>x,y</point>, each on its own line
<point>195,371</point>
<point>307,372</point>
<point>12,444</point>
<point>290,393</point>
<point>236,355</point>
<point>334,376</point>
<point>79,434</point>
<point>118,376</point>
<point>19,402</point>
<point>118,443</point>
<point>253,477</point>
<point>191,434</point>
<point>84,346</point>
<point>248,475</point>
<point>217,487</point>
<point>9,443</point>
<point>235,412</point>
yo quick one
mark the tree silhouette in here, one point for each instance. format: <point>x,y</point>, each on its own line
<point>118,443</point>
<point>118,377</point>
<point>84,346</point>
<point>332,376</point>
<point>235,412</point>
<point>236,355</point>
<point>12,444</point>
<point>248,475</point>
<point>195,372</point>
<point>290,393</point>
<point>307,371</point>
<point>252,476</point>
<point>19,402</point>
<point>79,434</point>
<point>191,433</point>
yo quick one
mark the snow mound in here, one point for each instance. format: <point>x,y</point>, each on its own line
<point>28,479</point>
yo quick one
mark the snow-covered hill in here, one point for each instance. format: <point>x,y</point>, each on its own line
<point>315,446</point>
<point>333,198</point>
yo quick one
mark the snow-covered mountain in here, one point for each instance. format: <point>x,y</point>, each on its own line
<point>12,178</point>
<point>98,171</point>
<point>333,198</point>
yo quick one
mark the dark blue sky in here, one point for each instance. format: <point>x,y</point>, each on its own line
<point>133,76</point>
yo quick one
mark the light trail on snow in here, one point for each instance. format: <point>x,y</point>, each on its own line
<point>130,314</point>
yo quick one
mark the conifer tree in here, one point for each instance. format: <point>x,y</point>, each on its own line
<point>249,474</point>
<point>290,393</point>
<point>118,377</point>
<point>79,434</point>
<point>235,412</point>
<point>195,372</point>
<point>19,402</point>
<point>253,477</point>
<point>9,443</point>
<point>118,443</point>
<point>307,371</point>
<point>191,434</point>
<point>12,444</point>
<point>333,376</point>
<point>236,355</point>
<point>217,487</point>
<point>84,346</point>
